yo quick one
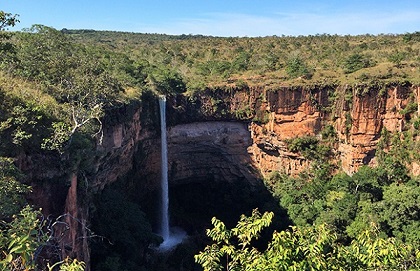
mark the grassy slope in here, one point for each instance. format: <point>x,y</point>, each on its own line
<point>264,60</point>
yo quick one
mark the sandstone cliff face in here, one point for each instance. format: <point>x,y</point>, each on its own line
<point>275,115</point>
<point>72,233</point>
<point>124,136</point>
<point>370,114</point>
<point>291,113</point>
<point>226,134</point>
<point>358,121</point>
<point>197,150</point>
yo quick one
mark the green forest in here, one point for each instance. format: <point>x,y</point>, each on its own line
<point>58,87</point>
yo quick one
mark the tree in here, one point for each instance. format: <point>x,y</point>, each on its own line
<point>296,67</point>
<point>80,84</point>
<point>165,81</point>
<point>356,62</point>
<point>396,57</point>
<point>21,122</point>
<point>241,62</point>
<point>301,248</point>
<point>7,19</point>
<point>6,47</point>
<point>127,233</point>
<point>11,190</point>
<point>240,257</point>
<point>400,210</point>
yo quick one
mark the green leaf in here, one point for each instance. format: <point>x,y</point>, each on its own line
<point>9,258</point>
<point>17,249</point>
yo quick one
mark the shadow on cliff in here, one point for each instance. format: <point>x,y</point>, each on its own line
<point>211,174</point>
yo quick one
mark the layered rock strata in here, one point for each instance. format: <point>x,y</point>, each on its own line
<point>229,134</point>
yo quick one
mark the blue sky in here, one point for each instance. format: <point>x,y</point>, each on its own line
<point>222,17</point>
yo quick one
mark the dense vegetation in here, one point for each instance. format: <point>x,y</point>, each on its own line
<point>271,60</point>
<point>385,195</point>
<point>366,221</point>
<point>56,86</point>
<point>301,248</point>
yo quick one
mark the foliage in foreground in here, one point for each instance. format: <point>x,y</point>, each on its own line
<point>22,239</point>
<point>22,234</point>
<point>301,248</point>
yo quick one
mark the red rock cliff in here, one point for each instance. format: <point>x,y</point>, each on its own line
<point>358,114</point>
<point>270,115</point>
<point>358,121</point>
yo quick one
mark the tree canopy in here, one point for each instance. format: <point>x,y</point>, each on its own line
<point>302,248</point>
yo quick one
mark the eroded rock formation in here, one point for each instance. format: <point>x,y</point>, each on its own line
<point>358,115</point>
<point>224,136</point>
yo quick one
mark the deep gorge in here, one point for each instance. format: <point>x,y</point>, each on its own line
<point>320,131</point>
<point>222,143</point>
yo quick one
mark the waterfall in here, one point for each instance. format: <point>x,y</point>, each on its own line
<point>164,223</point>
<point>171,236</point>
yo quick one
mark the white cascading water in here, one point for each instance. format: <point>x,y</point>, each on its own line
<point>164,230</point>
<point>170,239</point>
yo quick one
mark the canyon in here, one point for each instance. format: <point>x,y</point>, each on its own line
<point>223,138</point>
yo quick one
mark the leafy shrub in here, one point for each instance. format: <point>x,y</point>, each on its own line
<point>416,124</point>
<point>241,84</point>
<point>300,144</point>
<point>11,190</point>
<point>397,57</point>
<point>19,241</point>
<point>328,132</point>
<point>309,147</point>
<point>412,36</point>
<point>356,62</point>
<point>409,109</point>
<point>22,239</point>
<point>296,67</point>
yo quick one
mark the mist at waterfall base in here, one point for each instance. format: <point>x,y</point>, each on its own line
<point>171,236</point>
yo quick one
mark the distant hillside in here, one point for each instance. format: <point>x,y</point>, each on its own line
<point>284,60</point>
<point>72,76</point>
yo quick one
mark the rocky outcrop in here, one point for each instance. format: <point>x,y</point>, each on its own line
<point>223,136</point>
<point>360,126</point>
<point>358,120</point>
<point>127,132</point>
<point>358,114</point>
<point>292,112</point>
<point>71,231</point>
<point>271,154</point>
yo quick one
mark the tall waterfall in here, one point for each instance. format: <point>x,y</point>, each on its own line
<point>164,226</point>
<point>171,236</point>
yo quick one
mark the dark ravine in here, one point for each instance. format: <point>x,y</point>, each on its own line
<point>218,139</point>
